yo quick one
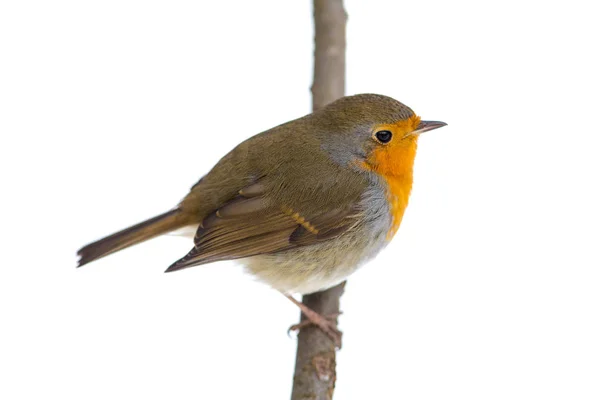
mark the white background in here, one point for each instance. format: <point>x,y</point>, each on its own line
<point>111,110</point>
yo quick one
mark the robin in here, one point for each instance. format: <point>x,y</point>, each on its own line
<point>302,205</point>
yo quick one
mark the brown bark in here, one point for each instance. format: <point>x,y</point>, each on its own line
<point>315,374</point>
<point>330,52</point>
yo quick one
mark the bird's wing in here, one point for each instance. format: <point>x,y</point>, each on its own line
<point>253,223</point>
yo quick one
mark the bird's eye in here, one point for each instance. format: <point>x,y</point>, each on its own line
<point>384,136</point>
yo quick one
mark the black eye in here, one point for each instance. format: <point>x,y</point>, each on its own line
<point>384,136</point>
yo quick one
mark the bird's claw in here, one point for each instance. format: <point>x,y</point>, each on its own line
<point>327,324</point>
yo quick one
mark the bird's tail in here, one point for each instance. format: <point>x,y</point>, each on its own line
<point>143,231</point>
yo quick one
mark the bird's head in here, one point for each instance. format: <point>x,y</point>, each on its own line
<point>372,132</point>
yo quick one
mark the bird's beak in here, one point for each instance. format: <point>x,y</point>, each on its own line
<point>425,126</point>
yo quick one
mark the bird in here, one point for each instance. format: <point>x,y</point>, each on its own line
<point>302,205</point>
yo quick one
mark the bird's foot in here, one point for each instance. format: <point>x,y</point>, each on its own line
<point>330,319</point>
<point>327,324</point>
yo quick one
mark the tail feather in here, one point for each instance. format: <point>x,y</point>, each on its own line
<point>143,231</point>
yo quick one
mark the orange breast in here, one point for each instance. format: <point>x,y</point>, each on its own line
<point>394,163</point>
<point>398,194</point>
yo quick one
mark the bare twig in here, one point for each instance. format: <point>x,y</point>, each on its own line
<point>330,52</point>
<point>315,374</point>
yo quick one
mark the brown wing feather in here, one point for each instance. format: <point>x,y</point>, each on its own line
<point>252,223</point>
<point>329,225</point>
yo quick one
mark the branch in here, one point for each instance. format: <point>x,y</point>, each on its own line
<point>330,52</point>
<point>315,375</point>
